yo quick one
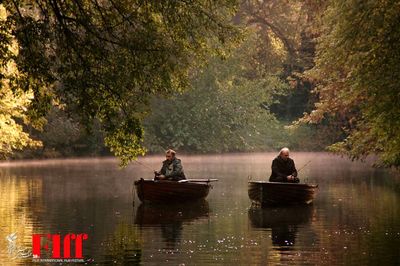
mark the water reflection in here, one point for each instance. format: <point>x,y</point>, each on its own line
<point>124,246</point>
<point>19,201</point>
<point>355,219</point>
<point>170,218</point>
<point>283,223</point>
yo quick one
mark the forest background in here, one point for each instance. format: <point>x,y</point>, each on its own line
<point>92,78</point>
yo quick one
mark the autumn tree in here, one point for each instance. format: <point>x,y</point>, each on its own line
<point>358,74</point>
<point>12,117</point>
<point>13,102</point>
<point>104,59</point>
<point>287,31</point>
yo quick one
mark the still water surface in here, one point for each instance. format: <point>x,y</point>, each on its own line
<point>355,219</point>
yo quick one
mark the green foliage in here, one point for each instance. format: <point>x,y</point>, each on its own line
<point>124,143</point>
<point>287,31</point>
<point>104,59</point>
<point>312,137</point>
<point>227,109</point>
<point>279,25</point>
<point>65,136</point>
<point>358,71</point>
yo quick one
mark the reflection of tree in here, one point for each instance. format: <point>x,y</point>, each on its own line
<point>52,195</point>
<point>18,205</point>
<point>282,221</point>
<point>363,218</point>
<point>170,218</point>
<point>124,246</point>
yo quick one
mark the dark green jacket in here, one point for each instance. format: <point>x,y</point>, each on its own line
<point>173,170</point>
<point>281,169</point>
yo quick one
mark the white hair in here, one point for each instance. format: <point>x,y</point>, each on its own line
<point>284,150</point>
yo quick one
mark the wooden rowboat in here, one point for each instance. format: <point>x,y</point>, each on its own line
<point>163,191</point>
<point>277,193</point>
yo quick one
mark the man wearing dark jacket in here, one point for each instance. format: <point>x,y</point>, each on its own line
<point>283,168</point>
<point>171,169</point>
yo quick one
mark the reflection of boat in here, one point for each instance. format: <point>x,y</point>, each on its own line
<point>171,191</point>
<point>157,214</point>
<point>283,221</point>
<point>170,218</point>
<point>276,193</point>
<point>270,217</point>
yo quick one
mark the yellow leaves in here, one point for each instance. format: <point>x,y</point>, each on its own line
<point>13,108</point>
<point>277,44</point>
<point>157,18</point>
<point>12,135</point>
<point>3,13</point>
<point>13,105</point>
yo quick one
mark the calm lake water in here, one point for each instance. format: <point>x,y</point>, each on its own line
<point>355,219</point>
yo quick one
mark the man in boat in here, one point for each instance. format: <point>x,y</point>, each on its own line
<point>171,169</point>
<point>283,168</point>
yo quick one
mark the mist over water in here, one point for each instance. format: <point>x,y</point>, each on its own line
<point>355,219</point>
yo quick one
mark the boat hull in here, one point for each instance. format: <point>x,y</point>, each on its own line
<point>161,191</point>
<point>276,193</point>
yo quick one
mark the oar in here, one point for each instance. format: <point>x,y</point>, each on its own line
<point>199,180</point>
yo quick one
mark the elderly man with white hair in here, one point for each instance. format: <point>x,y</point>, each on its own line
<point>283,168</point>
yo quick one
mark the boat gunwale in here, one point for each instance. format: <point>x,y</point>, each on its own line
<point>151,181</point>
<point>285,184</point>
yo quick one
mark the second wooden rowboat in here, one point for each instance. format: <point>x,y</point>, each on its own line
<point>277,193</point>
